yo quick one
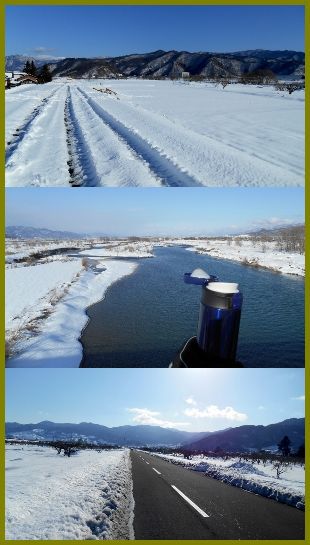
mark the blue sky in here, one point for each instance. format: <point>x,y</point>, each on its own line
<point>191,399</point>
<point>154,211</point>
<point>117,30</point>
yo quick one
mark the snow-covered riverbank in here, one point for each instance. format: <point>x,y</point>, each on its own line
<point>16,249</point>
<point>56,343</point>
<point>53,497</point>
<point>251,253</point>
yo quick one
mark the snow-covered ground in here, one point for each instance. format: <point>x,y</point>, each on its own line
<point>29,291</point>
<point>252,253</point>
<point>257,478</point>
<point>56,342</point>
<point>38,152</point>
<point>154,133</point>
<point>21,249</point>
<point>53,497</point>
<point>124,249</point>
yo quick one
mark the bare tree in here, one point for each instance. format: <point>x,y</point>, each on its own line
<point>280,467</point>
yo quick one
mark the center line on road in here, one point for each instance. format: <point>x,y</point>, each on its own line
<point>159,473</point>
<point>200,511</point>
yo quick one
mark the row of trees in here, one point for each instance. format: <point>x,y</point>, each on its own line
<point>43,74</point>
<point>290,239</point>
<point>284,451</point>
<point>68,447</point>
<point>256,77</point>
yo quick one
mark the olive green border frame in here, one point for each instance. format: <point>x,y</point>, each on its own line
<point>2,244</point>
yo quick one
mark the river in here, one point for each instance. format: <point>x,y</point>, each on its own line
<point>145,317</point>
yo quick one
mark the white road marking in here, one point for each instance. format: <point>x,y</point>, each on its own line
<point>200,511</point>
<point>159,473</point>
<point>148,463</point>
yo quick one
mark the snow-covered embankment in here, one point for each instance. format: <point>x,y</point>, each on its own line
<point>55,343</point>
<point>50,496</point>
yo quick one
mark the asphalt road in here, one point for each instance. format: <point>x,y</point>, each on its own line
<point>199,507</point>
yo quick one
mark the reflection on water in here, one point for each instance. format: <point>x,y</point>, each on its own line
<point>145,317</point>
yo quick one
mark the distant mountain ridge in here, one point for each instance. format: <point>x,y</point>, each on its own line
<point>242,438</point>
<point>122,435</point>
<point>296,228</point>
<point>171,64</point>
<point>22,232</point>
<point>249,437</point>
<point>17,62</point>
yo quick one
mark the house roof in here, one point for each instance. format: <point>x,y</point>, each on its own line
<point>27,77</point>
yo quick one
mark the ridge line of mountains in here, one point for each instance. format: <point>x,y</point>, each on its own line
<point>241,438</point>
<point>170,64</point>
<point>24,232</point>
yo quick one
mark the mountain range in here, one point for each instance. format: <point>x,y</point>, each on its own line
<point>17,62</point>
<point>122,435</point>
<point>245,438</point>
<point>171,64</point>
<point>23,232</point>
<point>241,438</point>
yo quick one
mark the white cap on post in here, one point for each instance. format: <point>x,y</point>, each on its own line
<point>223,287</point>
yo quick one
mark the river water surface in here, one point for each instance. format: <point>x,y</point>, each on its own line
<point>145,317</point>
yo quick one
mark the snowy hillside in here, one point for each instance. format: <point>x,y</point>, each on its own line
<point>171,64</point>
<point>155,133</point>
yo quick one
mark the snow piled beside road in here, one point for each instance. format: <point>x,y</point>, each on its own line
<point>259,479</point>
<point>50,496</point>
<point>57,344</point>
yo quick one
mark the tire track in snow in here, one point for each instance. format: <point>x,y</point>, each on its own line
<point>80,165</point>
<point>21,132</point>
<point>160,165</point>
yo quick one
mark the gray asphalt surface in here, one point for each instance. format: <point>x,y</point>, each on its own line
<point>162,513</point>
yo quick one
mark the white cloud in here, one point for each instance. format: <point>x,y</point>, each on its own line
<point>299,398</point>
<point>274,222</point>
<point>190,401</point>
<point>261,408</point>
<point>213,411</point>
<point>152,418</point>
<point>43,49</point>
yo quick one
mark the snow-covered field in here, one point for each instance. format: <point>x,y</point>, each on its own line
<point>153,133</point>
<point>257,478</point>
<point>53,497</point>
